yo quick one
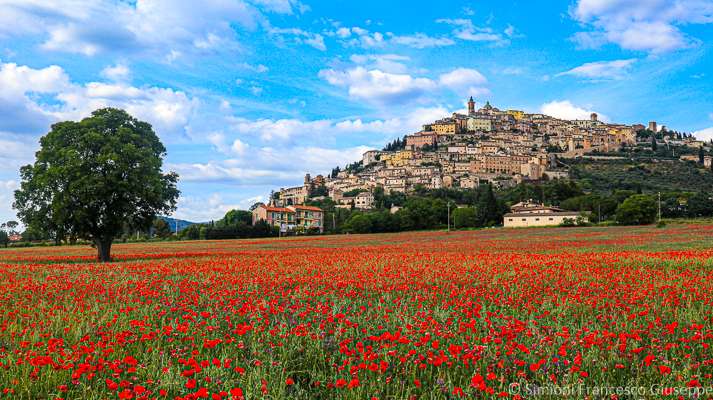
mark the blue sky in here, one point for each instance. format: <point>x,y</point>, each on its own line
<point>248,95</point>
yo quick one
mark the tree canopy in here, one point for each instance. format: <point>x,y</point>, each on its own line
<point>92,178</point>
<point>638,209</point>
<point>4,238</point>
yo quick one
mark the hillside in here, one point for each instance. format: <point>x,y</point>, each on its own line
<point>172,222</point>
<point>647,175</point>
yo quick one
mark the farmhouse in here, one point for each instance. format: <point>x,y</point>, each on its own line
<point>291,218</point>
<point>529,213</point>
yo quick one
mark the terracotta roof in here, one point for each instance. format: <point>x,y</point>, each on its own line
<point>276,209</point>
<point>560,213</point>
<point>536,208</point>
<point>311,208</point>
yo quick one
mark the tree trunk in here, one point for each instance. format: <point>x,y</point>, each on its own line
<point>103,250</point>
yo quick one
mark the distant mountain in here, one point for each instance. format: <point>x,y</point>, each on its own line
<point>182,224</point>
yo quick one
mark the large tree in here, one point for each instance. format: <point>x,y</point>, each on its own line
<point>4,238</point>
<point>639,209</point>
<point>236,217</point>
<point>93,177</point>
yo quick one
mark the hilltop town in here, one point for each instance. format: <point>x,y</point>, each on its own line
<point>487,144</point>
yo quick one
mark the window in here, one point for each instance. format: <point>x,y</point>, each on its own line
<point>524,219</point>
<point>510,219</point>
<point>537,219</point>
<point>552,219</point>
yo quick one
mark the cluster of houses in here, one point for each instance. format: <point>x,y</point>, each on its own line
<point>501,147</point>
<point>301,218</point>
<point>464,150</point>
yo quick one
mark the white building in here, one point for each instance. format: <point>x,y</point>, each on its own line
<point>364,201</point>
<point>529,213</point>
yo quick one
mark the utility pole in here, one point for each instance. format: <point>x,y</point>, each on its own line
<point>449,216</point>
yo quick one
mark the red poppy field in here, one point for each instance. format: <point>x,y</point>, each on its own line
<point>533,313</point>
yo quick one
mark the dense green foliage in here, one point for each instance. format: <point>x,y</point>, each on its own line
<point>465,217</point>
<point>160,228</point>
<point>397,144</point>
<point>7,229</point>
<point>236,217</point>
<point>639,209</point>
<point>428,209</point>
<point>93,178</point>
<point>236,224</point>
<point>603,176</point>
<point>549,192</point>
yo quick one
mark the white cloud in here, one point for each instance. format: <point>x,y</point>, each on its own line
<point>602,70</point>
<point>512,71</point>
<point>222,172</point>
<point>566,110</point>
<point>20,111</point>
<point>704,134</point>
<point>382,87</point>
<point>360,37</point>
<point>269,165</point>
<point>7,196</point>
<point>343,32</point>
<point>464,80</point>
<point>166,109</point>
<point>365,39</point>
<point>651,26</point>
<point>23,87</point>
<point>118,72</point>
<point>392,63</point>
<point>209,208</point>
<point>316,41</point>
<point>510,31</point>
<point>17,79</point>
<point>9,185</point>
<point>255,68</point>
<point>378,86</point>
<point>281,6</point>
<point>286,131</point>
<point>268,129</point>
<point>422,41</point>
<point>465,30</point>
<point>90,28</point>
<point>239,147</point>
<point>299,36</point>
<point>16,150</point>
<point>220,142</point>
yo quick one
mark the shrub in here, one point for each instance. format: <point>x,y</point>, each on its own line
<point>638,209</point>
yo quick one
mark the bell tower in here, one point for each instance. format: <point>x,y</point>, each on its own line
<point>471,106</point>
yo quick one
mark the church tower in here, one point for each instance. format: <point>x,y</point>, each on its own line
<point>471,106</point>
